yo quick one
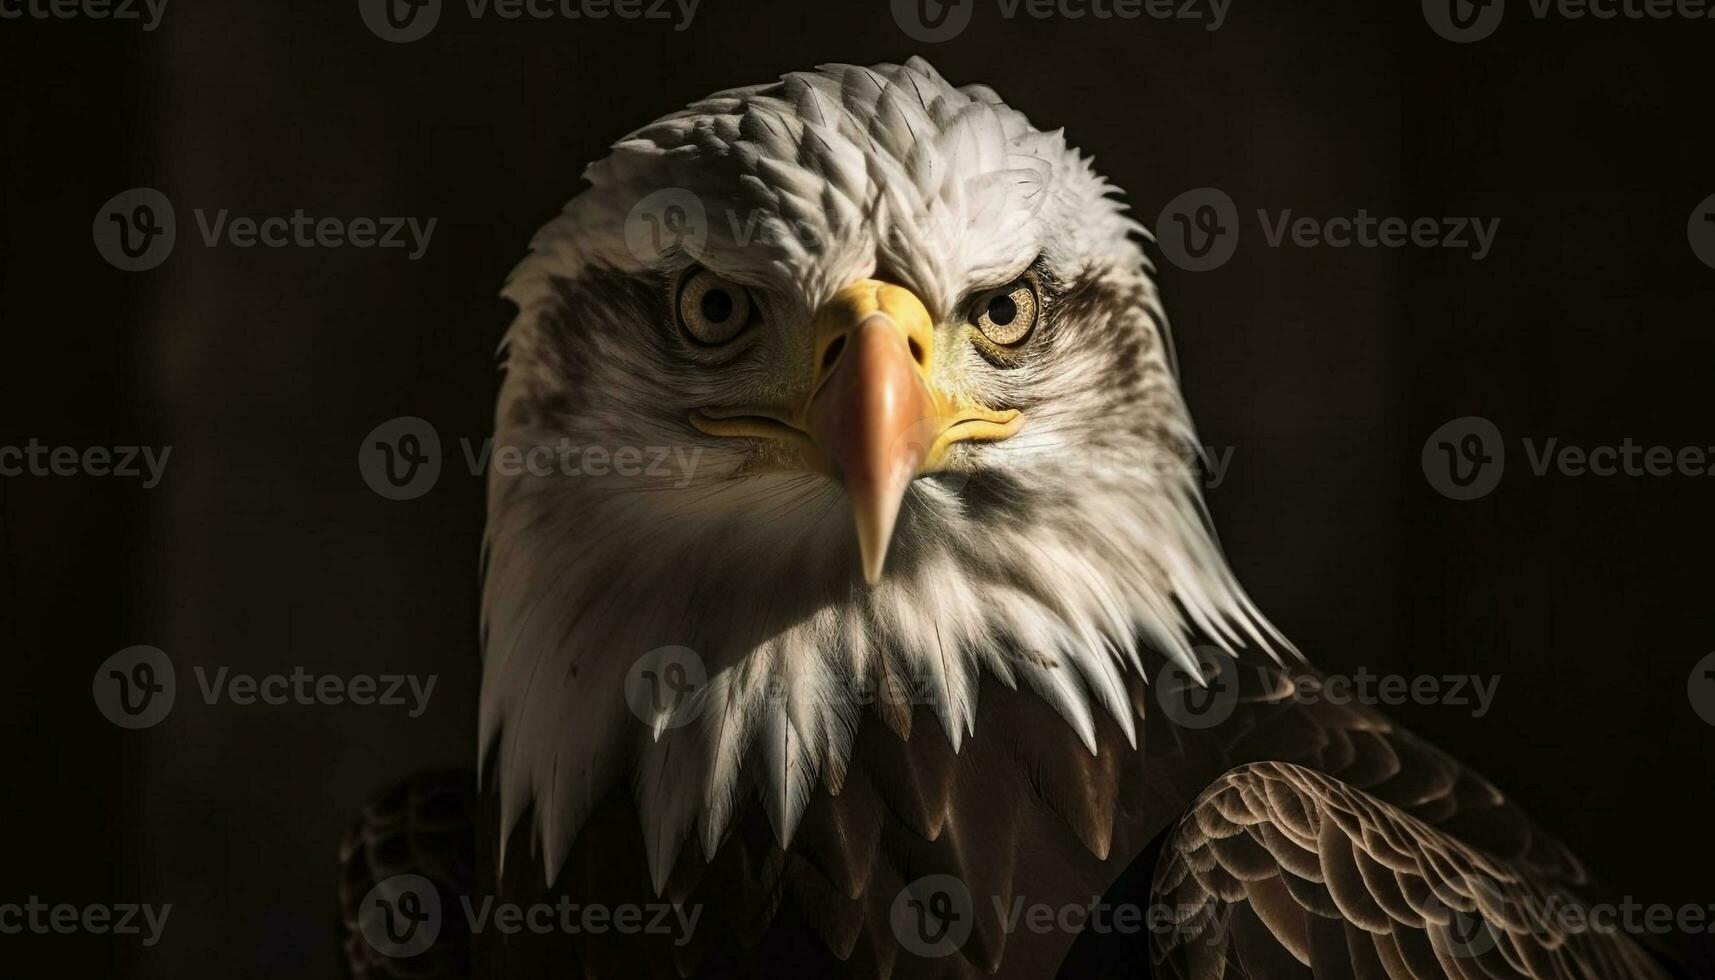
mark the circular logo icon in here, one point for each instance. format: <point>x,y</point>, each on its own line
<point>400,21</point>
<point>400,459</point>
<point>1700,687</point>
<point>932,916</point>
<point>1701,231</point>
<point>135,687</point>
<point>1199,230</point>
<point>1459,905</point>
<point>1199,703</point>
<point>1464,21</point>
<point>933,21</point>
<point>1464,459</point>
<point>401,916</point>
<point>135,230</point>
<point>665,225</point>
<point>663,684</point>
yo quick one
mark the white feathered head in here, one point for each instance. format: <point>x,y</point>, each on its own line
<point>868,390</point>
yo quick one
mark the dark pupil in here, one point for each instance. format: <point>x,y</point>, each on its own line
<point>1002,310</point>
<point>717,305</point>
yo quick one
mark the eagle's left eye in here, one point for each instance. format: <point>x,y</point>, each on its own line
<point>712,308</point>
<point>1007,315</point>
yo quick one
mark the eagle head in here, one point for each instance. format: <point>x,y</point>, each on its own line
<point>837,393</point>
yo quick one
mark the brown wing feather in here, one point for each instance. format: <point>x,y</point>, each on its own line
<point>1466,915</point>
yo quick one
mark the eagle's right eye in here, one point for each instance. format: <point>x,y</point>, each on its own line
<point>1007,315</point>
<point>712,308</point>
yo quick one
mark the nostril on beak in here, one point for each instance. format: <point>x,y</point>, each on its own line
<point>831,355</point>
<point>918,354</point>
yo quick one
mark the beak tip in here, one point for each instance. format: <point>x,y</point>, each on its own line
<point>872,570</point>
<point>875,533</point>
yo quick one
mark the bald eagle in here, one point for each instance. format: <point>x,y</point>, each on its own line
<point>919,628</point>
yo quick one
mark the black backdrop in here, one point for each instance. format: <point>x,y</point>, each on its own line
<point>1323,369</point>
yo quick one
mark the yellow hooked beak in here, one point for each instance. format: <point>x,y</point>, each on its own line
<point>874,419</point>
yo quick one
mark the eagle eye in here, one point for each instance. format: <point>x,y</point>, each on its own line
<point>1008,314</point>
<point>712,308</point>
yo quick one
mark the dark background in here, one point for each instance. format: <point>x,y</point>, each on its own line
<point>1325,369</point>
